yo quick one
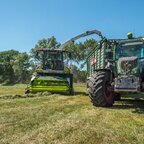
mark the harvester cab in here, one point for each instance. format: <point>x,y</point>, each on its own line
<point>55,60</point>
<point>53,74</point>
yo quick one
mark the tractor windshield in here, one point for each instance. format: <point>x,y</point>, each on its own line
<point>128,50</point>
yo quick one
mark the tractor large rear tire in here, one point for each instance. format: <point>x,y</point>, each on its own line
<point>100,89</point>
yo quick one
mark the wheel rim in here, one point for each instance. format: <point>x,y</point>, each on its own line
<point>108,91</point>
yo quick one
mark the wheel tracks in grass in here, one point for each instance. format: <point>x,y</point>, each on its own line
<point>83,125</point>
<point>77,124</point>
<point>16,96</point>
<point>108,133</point>
<point>46,109</point>
<point>16,105</point>
<point>46,125</point>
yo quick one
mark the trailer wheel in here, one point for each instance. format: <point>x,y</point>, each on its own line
<point>100,89</point>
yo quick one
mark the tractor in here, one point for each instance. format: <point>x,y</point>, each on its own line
<point>114,67</point>
<point>53,72</point>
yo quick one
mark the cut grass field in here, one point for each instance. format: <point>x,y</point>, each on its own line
<point>58,119</point>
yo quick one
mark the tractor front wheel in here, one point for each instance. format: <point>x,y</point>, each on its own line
<point>100,89</point>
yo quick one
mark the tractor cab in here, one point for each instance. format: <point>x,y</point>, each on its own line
<point>130,65</point>
<point>130,57</point>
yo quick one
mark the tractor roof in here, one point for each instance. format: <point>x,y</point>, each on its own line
<point>124,41</point>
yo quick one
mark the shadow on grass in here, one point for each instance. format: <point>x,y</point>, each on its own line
<point>17,96</point>
<point>41,94</point>
<point>76,93</point>
<point>136,104</point>
<point>80,93</point>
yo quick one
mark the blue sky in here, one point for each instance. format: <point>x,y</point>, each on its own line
<point>24,22</point>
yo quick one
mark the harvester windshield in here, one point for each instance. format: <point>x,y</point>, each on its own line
<point>54,60</point>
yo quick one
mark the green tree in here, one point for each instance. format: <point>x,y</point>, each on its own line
<point>80,53</point>
<point>14,67</point>
<point>81,50</point>
<point>79,75</point>
<point>21,67</point>
<point>6,59</point>
<point>44,43</point>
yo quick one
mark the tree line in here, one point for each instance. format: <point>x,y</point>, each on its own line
<point>17,67</point>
